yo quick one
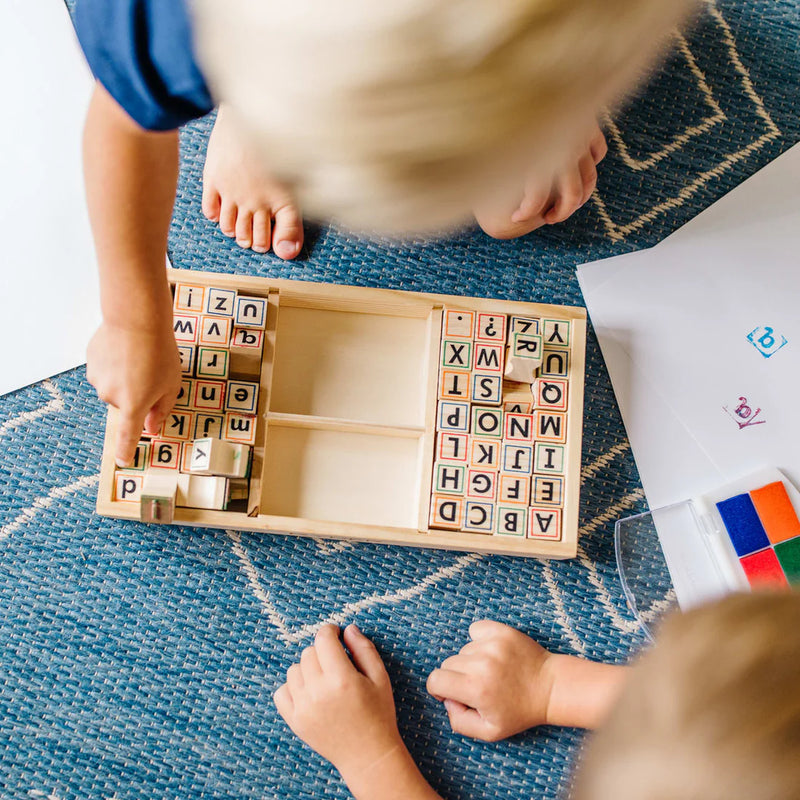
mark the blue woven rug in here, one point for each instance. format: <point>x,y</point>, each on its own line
<point>139,662</point>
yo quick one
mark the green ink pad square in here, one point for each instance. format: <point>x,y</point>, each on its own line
<point>789,556</point>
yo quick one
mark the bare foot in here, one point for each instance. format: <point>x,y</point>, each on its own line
<point>247,203</point>
<point>546,202</point>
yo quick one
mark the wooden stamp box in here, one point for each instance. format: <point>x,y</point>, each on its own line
<point>379,415</point>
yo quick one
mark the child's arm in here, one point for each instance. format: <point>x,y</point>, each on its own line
<point>131,176</point>
<point>344,710</point>
<point>503,682</point>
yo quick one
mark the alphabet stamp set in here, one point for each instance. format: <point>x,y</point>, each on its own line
<point>368,414</point>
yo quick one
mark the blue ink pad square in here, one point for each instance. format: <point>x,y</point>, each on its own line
<point>743,525</point>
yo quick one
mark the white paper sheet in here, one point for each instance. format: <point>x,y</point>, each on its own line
<point>702,404</point>
<point>49,284</point>
<point>673,323</point>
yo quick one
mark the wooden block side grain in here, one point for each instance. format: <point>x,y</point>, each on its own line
<point>246,353</point>
<point>523,357</point>
<point>157,503</point>
<point>186,456</point>
<point>220,457</point>
<point>202,491</point>
<point>517,397</point>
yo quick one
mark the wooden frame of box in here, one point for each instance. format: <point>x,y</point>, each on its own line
<point>347,417</point>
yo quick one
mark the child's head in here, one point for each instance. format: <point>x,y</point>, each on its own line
<point>390,115</point>
<point>711,713</point>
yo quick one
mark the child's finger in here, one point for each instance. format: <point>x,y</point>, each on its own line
<point>294,679</point>
<point>598,146</point>
<point>535,201</point>
<point>309,664</point>
<point>283,701</point>
<point>466,721</point>
<point>330,651</point>
<point>588,172</point>
<point>461,662</point>
<point>486,628</point>
<point>453,686</point>
<point>129,431</point>
<point>570,192</point>
<point>365,656</point>
<point>158,413</point>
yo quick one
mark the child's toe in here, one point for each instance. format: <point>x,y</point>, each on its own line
<point>287,235</point>
<point>211,203</point>
<point>244,228</point>
<point>227,217</point>
<point>262,230</point>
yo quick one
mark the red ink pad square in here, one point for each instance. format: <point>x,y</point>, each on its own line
<point>763,569</point>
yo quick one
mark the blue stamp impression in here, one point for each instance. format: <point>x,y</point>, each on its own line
<point>766,341</point>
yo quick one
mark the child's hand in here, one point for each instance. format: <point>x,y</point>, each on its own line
<point>137,371</point>
<point>498,685</point>
<point>344,710</point>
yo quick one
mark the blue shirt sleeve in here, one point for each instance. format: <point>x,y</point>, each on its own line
<point>141,51</point>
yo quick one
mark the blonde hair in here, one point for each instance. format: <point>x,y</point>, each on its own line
<point>391,115</point>
<point>712,713</point>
